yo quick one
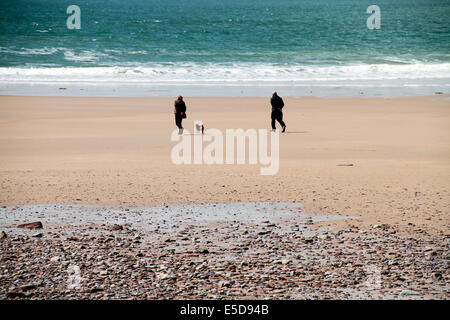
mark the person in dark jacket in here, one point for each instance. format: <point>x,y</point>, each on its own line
<point>277,112</point>
<point>180,113</point>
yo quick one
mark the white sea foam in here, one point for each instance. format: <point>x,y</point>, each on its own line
<point>31,51</point>
<point>224,73</point>
<point>138,52</point>
<point>84,56</point>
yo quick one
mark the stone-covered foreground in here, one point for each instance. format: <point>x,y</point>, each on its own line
<point>215,259</point>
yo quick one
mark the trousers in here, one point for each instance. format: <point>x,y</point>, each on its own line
<point>178,120</point>
<point>278,116</point>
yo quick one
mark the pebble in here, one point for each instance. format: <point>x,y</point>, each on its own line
<point>409,293</point>
<point>224,284</point>
<point>31,225</point>
<point>115,227</point>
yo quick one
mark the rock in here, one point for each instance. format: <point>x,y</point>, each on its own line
<point>278,291</point>
<point>437,276</point>
<point>163,276</point>
<point>203,250</point>
<point>308,240</point>
<point>409,293</point>
<point>392,263</point>
<point>94,290</point>
<point>15,294</point>
<point>29,286</point>
<point>282,261</point>
<point>222,284</point>
<point>324,237</point>
<point>115,227</point>
<point>381,226</point>
<point>55,259</point>
<point>3,235</point>
<point>31,225</point>
<point>38,235</point>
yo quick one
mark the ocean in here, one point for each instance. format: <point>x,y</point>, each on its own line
<point>224,48</point>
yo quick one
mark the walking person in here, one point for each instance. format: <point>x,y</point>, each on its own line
<point>180,113</point>
<point>277,113</point>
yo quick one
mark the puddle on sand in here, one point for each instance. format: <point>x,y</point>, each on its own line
<point>164,219</point>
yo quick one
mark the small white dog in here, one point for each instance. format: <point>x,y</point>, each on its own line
<point>200,127</point>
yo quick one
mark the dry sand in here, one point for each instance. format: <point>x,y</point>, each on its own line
<point>117,151</point>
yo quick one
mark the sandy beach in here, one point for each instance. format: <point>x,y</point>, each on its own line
<point>117,151</point>
<point>383,161</point>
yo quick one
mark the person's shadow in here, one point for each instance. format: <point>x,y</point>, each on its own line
<point>296,131</point>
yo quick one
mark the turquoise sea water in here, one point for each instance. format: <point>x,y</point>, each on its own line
<point>204,44</point>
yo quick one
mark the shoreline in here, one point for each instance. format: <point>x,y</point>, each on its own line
<point>438,96</point>
<point>248,89</point>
